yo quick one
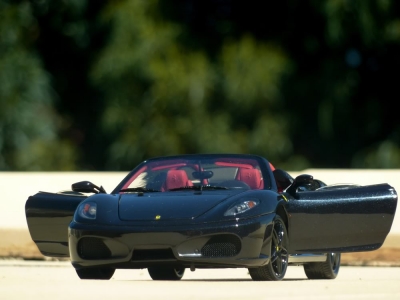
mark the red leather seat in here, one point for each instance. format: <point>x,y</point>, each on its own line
<point>250,176</point>
<point>176,179</point>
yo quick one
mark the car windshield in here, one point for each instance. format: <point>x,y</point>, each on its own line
<point>195,173</point>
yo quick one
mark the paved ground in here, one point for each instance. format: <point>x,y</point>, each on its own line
<point>52,280</point>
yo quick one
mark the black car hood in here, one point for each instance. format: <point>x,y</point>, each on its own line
<point>169,205</point>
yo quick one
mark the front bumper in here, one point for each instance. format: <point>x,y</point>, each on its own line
<point>241,243</point>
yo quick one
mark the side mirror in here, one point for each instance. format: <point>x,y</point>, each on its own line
<point>300,180</point>
<point>87,187</point>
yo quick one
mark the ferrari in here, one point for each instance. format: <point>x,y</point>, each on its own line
<point>194,211</point>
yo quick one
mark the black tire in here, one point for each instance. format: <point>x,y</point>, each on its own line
<point>275,270</point>
<point>328,269</point>
<point>95,273</point>
<point>165,273</point>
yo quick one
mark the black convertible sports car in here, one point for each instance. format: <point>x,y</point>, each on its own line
<point>210,211</point>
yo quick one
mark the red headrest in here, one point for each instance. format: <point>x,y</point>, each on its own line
<point>176,179</point>
<point>250,176</point>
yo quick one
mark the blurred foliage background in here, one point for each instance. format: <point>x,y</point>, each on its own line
<point>102,85</point>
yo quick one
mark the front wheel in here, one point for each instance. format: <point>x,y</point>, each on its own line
<point>328,269</point>
<point>276,268</point>
<point>95,273</point>
<point>165,273</point>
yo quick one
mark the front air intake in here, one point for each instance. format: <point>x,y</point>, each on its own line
<point>221,246</point>
<point>93,248</point>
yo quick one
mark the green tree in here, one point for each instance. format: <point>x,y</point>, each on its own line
<point>343,84</point>
<point>28,122</point>
<point>163,97</point>
<point>106,85</point>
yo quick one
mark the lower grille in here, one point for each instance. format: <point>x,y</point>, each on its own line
<point>152,254</point>
<point>221,246</point>
<point>93,248</point>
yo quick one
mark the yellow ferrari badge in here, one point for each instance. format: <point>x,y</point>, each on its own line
<point>158,217</point>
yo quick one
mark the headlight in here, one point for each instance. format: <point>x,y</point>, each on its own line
<point>87,210</point>
<point>241,207</point>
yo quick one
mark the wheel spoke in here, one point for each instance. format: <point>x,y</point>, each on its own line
<point>273,254</point>
<point>275,238</point>
<point>279,266</point>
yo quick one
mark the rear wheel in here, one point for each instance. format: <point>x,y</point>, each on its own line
<point>276,268</point>
<point>95,273</point>
<point>328,269</point>
<point>165,273</point>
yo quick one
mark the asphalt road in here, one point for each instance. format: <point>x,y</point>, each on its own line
<point>51,280</point>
